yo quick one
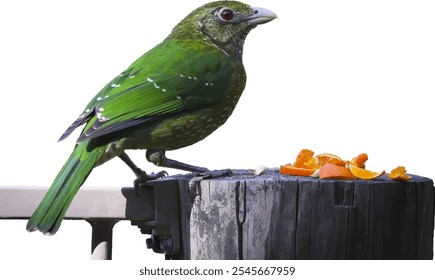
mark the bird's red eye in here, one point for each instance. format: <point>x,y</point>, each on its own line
<point>226,15</point>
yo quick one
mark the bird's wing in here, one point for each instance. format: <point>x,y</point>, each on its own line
<point>156,85</point>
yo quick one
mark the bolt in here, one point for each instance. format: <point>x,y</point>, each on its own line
<point>166,244</point>
<point>150,243</point>
<point>153,243</point>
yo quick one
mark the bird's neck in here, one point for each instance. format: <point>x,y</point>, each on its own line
<point>232,48</point>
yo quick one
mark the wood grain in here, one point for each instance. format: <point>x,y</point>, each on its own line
<point>276,216</point>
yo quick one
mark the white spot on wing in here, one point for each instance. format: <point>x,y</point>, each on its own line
<point>101,118</point>
<point>156,86</point>
<point>150,80</point>
<point>115,85</point>
<point>99,98</point>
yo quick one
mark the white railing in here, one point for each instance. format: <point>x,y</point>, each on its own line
<point>101,207</point>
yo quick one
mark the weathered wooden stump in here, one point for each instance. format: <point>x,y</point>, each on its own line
<point>275,216</point>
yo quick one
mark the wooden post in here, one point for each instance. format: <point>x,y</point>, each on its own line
<point>275,216</point>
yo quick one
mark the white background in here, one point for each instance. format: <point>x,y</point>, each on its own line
<point>342,77</point>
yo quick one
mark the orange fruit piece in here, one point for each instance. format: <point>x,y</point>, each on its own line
<point>303,157</point>
<point>298,171</point>
<point>330,158</point>
<point>333,171</point>
<point>360,160</point>
<point>364,174</point>
<point>313,163</point>
<point>399,174</point>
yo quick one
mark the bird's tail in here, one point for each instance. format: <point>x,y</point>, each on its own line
<point>50,212</point>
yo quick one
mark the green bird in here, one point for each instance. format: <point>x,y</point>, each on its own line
<point>173,96</point>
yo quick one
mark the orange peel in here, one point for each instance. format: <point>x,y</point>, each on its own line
<point>303,157</point>
<point>297,171</point>
<point>330,158</point>
<point>399,174</point>
<point>360,160</point>
<point>364,174</point>
<point>333,167</point>
<point>333,171</point>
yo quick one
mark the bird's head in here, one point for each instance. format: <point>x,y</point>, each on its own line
<point>223,23</point>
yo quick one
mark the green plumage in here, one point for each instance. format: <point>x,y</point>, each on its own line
<point>52,208</point>
<point>173,96</point>
<point>169,88</point>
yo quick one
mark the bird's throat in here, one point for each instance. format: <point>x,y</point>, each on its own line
<point>233,46</point>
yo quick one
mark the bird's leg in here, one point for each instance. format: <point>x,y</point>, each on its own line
<point>141,176</point>
<point>159,158</point>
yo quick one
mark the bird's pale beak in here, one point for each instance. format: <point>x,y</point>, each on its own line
<point>260,16</point>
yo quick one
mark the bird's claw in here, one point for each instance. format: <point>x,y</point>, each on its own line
<point>143,178</point>
<point>209,175</point>
<point>160,174</point>
<point>216,174</point>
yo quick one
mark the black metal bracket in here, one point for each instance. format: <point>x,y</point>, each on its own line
<point>165,225</point>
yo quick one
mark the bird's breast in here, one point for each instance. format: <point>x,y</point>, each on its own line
<point>186,128</point>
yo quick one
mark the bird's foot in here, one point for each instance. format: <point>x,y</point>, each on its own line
<point>158,157</point>
<point>210,174</point>
<point>143,178</point>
